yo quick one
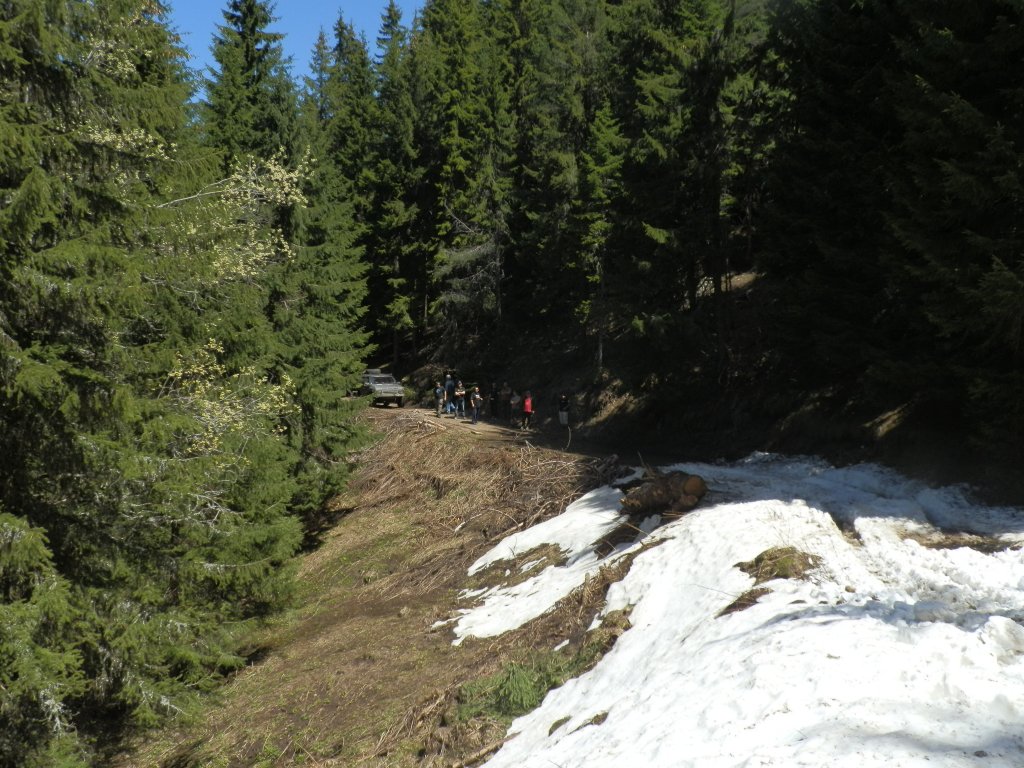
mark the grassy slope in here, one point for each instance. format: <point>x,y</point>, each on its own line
<point>357,674</point>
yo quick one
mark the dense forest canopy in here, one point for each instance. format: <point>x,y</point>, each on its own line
<point>197,267</point>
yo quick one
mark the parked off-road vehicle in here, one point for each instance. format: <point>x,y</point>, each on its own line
<point>383,387</point>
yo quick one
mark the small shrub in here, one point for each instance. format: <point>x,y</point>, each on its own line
<point>521,689</point>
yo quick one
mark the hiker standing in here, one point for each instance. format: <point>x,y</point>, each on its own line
<point>513,407</point>
<point>438,397</point>
<point>449,394</point>
<point>563,410</point>
<point>527,409</point>
<point>476,400</point>
<point>460,400</point>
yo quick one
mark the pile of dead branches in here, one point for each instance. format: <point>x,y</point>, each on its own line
<point>469,483</point>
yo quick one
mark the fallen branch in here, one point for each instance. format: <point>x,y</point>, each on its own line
<point>480,754</point>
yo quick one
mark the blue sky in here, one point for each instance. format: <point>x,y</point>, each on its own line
<point>298,20</point>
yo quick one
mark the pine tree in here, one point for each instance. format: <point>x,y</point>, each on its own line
<point>250,99</point>
<point>394,280</point>
<point>324,289</point>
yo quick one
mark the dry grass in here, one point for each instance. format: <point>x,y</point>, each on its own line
<point>744,601</point>
<point>452,741</point>
<point>360,675</point>
<point>774,563</point>
<point>957,540</point>
<point>523,567</point>
<point>780,563</point>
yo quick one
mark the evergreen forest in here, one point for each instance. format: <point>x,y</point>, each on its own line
<point>197,266</point>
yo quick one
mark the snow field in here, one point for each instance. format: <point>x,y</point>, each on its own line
<point>889,654</point>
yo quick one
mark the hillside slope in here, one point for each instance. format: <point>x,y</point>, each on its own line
<point>357,674</point>
<point>754,611</point>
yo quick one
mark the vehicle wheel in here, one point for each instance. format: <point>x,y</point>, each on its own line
<point>400,401</point>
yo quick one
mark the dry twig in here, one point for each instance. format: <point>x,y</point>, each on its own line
<point>480,754</point>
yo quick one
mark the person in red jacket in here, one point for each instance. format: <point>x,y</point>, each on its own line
<point>527,409</point>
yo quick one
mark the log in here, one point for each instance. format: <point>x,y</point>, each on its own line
<point>676,492</point>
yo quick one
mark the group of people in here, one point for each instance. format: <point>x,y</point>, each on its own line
<point>452,398</point>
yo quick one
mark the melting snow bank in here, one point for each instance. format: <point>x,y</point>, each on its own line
<point>890,653</point>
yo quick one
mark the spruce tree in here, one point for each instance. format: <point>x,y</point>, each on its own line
<point>824,226</point>
<point>600,310</point>
<point>99,104</point>
<point>40,667</point>
<point>394,282</point>
<point>557,61</point>
<point>351,90</point>
<point>146,453</point>
<point>748,101</point>
<point>320,313</point>
<point>667,87</point>
<point>459,221</point>
<point>250,98</point>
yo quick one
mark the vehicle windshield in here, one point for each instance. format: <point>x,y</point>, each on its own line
<point>383,379</point>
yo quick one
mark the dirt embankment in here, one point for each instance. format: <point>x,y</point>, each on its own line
<point>362,674</point>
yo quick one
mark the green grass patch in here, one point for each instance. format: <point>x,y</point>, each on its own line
<point>521,685</point>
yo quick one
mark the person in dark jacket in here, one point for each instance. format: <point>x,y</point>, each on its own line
<point>449,395</point>
<point>505,400</point>
<point>476,401</point>
<point>460,400</point>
